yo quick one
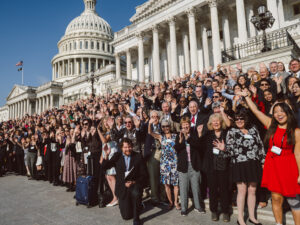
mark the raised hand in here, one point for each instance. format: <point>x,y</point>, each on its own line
<point>174,104</point>
<point>200,129</point>
<point>136,122</point>
<point>219,145</point>
<point>207,102</point>
<point>253,89</point>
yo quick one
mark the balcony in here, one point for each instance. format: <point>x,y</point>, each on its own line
<point>278,39</point>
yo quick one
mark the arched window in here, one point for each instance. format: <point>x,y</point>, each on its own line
<point>70,46</point>
<point>80,45</point>
<point>98,46</point>
<point>108,48</point>
<point>92,45</point>
<point>86,44</point>
<point>75,45</point>
<point>103,47</point>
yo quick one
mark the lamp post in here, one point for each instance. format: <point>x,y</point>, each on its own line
<point>262,21</point>
<point>92,80</point>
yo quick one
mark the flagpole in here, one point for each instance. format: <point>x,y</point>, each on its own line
<point>23,75</point>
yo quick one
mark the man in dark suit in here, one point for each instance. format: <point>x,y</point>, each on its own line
<point>130,177</point>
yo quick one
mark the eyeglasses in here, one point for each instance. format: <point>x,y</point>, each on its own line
<point>126,122</point>
<point>85,124</point>
<point>165,126</point>
<point>264,84</point>
<point>215,96</point>
<point>239,119</point>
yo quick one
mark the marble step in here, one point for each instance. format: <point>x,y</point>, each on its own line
<point>264,214</point>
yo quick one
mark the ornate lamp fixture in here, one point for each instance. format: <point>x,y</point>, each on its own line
<point>262,21</point>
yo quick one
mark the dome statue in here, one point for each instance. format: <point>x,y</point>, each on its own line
<point>85,47</point>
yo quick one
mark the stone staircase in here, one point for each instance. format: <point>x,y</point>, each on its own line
<point>264,214</point>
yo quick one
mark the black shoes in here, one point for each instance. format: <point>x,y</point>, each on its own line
<point>201,210</point>
<point>226,217</point>
<point>183,213</point>
<point>250,221</point>
<point>101,203</point>
<point>214,216</point>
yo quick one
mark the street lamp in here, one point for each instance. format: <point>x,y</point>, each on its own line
<point>92,80</point>
<point>262,21</point>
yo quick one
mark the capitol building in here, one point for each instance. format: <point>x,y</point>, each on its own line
<point>166,39</point>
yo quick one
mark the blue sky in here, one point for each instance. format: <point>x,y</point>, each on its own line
<point>30,30</point>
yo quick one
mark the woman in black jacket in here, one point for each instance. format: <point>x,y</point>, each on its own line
<point>216,166</point>
<point>187,147</point>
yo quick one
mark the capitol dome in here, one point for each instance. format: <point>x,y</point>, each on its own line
<point>89,21</point>
<point>85,46</point>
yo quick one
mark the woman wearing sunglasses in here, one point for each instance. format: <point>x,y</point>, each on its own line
<point>168,160</point>
<point>247,156</point>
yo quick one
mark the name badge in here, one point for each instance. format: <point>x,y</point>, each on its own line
<point>248,136</point>
<point>216,151</point>
<point>53,147</point>
<point>276,150</point>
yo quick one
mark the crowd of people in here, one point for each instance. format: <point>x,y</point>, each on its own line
<point>226,135</point>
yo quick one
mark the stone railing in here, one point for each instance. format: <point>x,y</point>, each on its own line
<point>275,40</point>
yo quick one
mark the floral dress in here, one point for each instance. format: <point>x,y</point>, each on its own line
<point>168,161</point>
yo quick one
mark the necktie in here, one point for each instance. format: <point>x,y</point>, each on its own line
<point>193,120</point>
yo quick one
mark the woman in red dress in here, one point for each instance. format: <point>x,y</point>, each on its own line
<point>282,163</point>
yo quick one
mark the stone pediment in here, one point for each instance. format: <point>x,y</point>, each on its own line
<point>16,91</point>
<point>149,8</point>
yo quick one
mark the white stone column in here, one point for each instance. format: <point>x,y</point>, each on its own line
<point>64,69</point>
<point>156,60</point>
<point>272,7</point>
<point>72,64</point>
<point>23,108</point>
<point>193,40</point>
<point>165,64</point>
<point>68,68</point>
<point>51,101</point>
<point>58,69</point>
<point>281,13</point>
<point>53,71</point>
<point>13,111</point>
<point>36,106</point>
<point>168,49</point>
<point>215,32</point>
<point>128,64</point>
<point>28,109</point>
<point>96,65</point>
<point>200,54</point>
<point>141,58</point>
<point>118,66</point>
<point>250,13</point>
<point>46,102</point>
<point>205,47</point>
<point>174,59</point>
<point>40,105</point>
<point>186,52</point>
<point>241,21</point>
<point>90,65</point>
<point>226,31</point>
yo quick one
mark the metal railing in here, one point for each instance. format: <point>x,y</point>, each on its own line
<point>275,40</point>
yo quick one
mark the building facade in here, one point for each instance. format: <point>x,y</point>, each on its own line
<point>169,38</point>
<point>84,49</point>
<point>166,39</point>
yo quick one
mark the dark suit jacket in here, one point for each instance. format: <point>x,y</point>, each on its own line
<point>195,151</point>
<point>138,175</point>
<point>202,118</point>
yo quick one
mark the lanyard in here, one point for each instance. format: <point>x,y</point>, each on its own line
<point>281,140</point>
